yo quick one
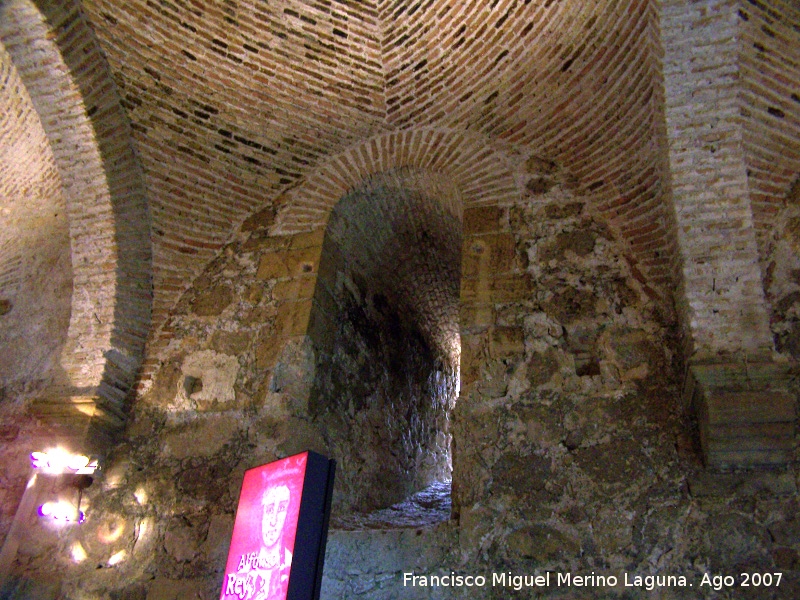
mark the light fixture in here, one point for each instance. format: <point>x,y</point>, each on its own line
<point>57,461</point>
<point>77,469</point>
<point>62,511</point>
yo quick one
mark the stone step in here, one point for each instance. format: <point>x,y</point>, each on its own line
<point>746,412</point>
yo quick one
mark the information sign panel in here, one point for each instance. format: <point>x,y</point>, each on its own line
<point>278,542</point>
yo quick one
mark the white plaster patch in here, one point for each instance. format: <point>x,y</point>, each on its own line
<point>216,374</point>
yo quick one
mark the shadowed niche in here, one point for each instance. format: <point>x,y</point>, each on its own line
<point>385,331</point>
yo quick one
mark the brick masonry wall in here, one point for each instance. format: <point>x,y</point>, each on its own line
<point>722,300</point>
<point>66,76</point>
<point>769,58</point>
<point>479,173</point>
<point>35,278</point>
<point>572,82</point>
<point>229,105</point>
<point>234,107</point>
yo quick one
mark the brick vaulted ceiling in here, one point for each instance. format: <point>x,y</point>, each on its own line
<point>239,105</point>
<point>233,103</point>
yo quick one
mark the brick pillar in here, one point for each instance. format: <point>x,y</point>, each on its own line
<point>742,400</point>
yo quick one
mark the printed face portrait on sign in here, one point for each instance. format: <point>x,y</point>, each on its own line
<point>260,557</point>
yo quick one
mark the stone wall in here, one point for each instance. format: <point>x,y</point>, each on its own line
<point>782,276</point>
<point>571,449</point>
<point>385,334</point>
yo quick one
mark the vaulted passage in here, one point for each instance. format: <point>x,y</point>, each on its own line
<point>35,269</point>
<point>529,271</point>
<point>386,343</point>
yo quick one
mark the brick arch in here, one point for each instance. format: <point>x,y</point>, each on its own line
<point>68,81</point>
<point>483,175</point>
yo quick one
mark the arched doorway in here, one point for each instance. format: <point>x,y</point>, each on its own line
<point>384,326</point>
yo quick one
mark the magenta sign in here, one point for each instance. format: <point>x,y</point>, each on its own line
<point>278,539</point>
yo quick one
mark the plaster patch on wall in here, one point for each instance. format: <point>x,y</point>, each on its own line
<point>207,382</point>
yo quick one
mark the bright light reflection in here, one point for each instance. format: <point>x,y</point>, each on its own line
<point>78,553</point>
<point>112,532</point>
<point>117,558</point>
<point>144,529</point>
<point>78,462</point>
<point>141,495</point>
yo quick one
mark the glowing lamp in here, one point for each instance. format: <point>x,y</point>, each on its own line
<point>58,460</point>
<point>62,511</point>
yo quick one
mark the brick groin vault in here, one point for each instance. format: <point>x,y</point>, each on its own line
<point>528,270</point>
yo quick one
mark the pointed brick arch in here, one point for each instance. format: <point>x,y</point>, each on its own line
<point>483,175</point>
<point>67,78</point>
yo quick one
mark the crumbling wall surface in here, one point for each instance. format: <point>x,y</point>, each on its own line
<point>571,451</point>
<point>782,275</point>
<point>384,327</point>
<point>228,396</point>
<point>572,454</point>
<point>381,403</point>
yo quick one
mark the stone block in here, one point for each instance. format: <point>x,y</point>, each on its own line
<point>231,342</point>
<point>556,210</point>
<point>541,543</point>
<point>475,317</point>
<point>272,266</point>
<point>513,288</point>
<point>275,265</point>
<point>542,366</point>
<point>262,219</point>
<point>506,341</point>
<point>180,542</point>
<point>503,252</point>
<point>571,304</point>
<point>475,259</point>
<point>484,219</point>
<point>310,239</point>
<point>302,261</point>
<point>298,288</point>
<point>581,242</point>
<point>473,352</point>
<point>267,351</point>
<point>209,379</point>
<point>474,290</point>
<point>746,413</point>
<point>212,302</point>
<point>293,317</point>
